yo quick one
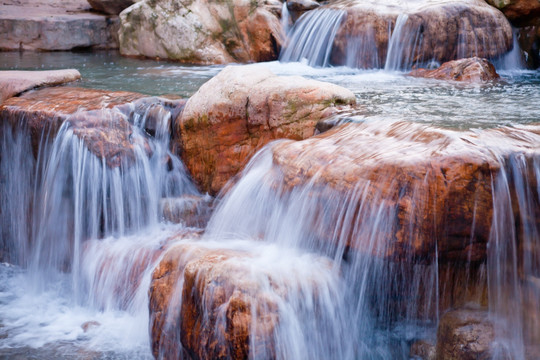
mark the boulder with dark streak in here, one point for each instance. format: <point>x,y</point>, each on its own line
<point>111,7</point>
<point>471,70</point>
<point>202,31</point>
<point>240,110</point>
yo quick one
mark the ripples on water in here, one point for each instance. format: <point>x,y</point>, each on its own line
<point>392,95</point>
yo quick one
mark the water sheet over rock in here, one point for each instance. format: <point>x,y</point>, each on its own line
<point>397,35</point>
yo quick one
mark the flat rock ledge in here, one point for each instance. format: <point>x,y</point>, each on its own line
<point>15,82</point>
<point>47,25</point>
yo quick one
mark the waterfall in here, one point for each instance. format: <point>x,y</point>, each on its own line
<point>397,36</point>
<point>514,256</point>
<point>52,206</point>
<point>312,37</point>
<point>285,18</point>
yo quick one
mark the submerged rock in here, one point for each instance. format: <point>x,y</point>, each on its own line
<point>202,32</point>
<point>474,70</point>
<point>46,25</point>
<point>398,35</point>
<point>15,82</point>
<point>465,334</point>
<point>243,108</point>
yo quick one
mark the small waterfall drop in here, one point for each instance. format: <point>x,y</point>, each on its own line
<point>285,18</point>
<point>100,175</point>
<point>312,37</point>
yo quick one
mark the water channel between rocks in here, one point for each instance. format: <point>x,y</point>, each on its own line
<point>41,313</point>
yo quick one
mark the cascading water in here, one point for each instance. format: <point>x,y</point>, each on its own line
<point>312,37</point>
<point>80,220</point>
<point>397,36</point>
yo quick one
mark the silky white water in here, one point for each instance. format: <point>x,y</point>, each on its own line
<point>60,283</point>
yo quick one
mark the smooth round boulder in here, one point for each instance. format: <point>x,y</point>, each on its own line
<point>240,110</point>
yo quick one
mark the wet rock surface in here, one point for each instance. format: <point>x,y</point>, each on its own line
<point>102,119</point>
<point>423,31</point>
<point>243,108</point>
<point>201,32</point>
<point>434,185</point>
<point>471,70</point>
<point>46,25</point>
<point>15,82</point>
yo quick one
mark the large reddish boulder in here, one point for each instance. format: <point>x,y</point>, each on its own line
<point>111,7</point>
<point>243,108</point>
<point>428,189</point>
<point>472,70</point>
<point>412,32</point>
<point>201,303</point>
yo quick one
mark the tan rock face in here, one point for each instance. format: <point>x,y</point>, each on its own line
<point>472,70</point>
<point>202,31</point>
<point>100,118</point>
<point>423,31</point>
<point>465,334</point>
<point>16,82</point>
<point>433,186</point>
<point>243,108</point>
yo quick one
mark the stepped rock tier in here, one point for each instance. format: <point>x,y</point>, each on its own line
<point>396,35</point>
<point>243,108</point>
<point>201,31</point>
<point>100,118</point>
<point>434,185</point>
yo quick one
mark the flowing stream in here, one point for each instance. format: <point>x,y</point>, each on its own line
<point>77,231</point>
